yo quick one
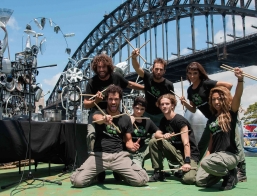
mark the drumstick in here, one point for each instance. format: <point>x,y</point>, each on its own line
<point>228,68</point>
<point>90,95</point>
<point>101,92</point>
<point>178,169</point>
<point>245,74</point>
<point>116,116</point>
<point>174,135</point>
<point>99,109</point>
<point>144,44</point>
<point>175,94</point>
<point>181,79</point>
<point>105,116</point>
<point>129,115</point>
<point>135,49</point>
<point>179,97</point>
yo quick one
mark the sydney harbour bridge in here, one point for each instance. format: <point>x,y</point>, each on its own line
<point>140,21</point>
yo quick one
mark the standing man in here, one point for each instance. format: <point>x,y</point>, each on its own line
<point>102,66</point>
<point>108,149</point>
<point>181,149</point>
<point>155,85</point>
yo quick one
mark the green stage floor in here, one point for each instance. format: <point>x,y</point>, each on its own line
<point>110,187</point>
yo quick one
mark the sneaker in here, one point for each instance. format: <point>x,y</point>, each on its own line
<point>101,177</point>
<point>229,181</point>
<point>157,176</point>
<point>116,176</point>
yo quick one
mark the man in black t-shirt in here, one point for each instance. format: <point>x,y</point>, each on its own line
<point>108,151</point>
<point>102,66</point>
<point>181,148</point>
<point>155,85</point>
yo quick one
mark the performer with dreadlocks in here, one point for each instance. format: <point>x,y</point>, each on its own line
<point>221,158</point>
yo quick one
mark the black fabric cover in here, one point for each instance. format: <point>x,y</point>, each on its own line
<point>50,141</point>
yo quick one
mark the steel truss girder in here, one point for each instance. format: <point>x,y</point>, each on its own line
<point>135,17</point>
<point>107,33</point>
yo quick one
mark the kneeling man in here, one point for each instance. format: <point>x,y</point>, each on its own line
<point>180,148</point>
<point>108,152</point>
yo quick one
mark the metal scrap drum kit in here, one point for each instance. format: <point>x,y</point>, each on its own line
<point>18,87</point>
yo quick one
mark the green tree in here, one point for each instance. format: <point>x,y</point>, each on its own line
<point>250,116</point>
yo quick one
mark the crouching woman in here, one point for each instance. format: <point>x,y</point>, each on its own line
<point>221,160</point>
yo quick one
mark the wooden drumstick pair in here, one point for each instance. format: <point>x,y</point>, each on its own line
<point>135,49</point>
<point>228,68</point>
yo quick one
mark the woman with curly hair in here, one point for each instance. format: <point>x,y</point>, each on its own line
<point>221,158</point>
<point>198,95</point>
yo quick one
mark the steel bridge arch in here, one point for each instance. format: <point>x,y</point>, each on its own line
<point>136,17</point>
<point>111,30</point>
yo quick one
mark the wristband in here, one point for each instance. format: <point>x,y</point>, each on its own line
<point>187,160</point>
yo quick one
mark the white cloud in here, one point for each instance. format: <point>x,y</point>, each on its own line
<point>13,24</point>
<point>52,81</point>
<point>185,51</point>
<point>249,21</point>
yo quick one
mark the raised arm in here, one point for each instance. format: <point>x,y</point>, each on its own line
<point>239,90</point>
<point>135,63</point>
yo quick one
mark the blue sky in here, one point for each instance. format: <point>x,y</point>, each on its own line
<point>81,16</point>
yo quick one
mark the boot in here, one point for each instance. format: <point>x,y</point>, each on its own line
<point>101,177</point>
<point>157,176</point>
<point>241,172</point>
<point>229,181</point>
<point>116,176</point>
